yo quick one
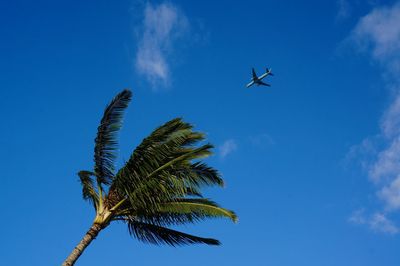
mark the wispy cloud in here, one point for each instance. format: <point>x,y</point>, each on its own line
<point>387,163</point>
<point>163,25</point>
<point>227,148</point>
<point>378,35</point>
<point>390,194</point>
<point>377,221</point>
<point>363,153</point>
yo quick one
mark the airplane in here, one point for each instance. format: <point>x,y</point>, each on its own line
<point>258,80</point>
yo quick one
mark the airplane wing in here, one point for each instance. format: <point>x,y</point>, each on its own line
<point>250,84</point>
<point>263,83</point>
<point>254,74</point>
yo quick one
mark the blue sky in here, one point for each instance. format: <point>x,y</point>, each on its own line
<point>311,164</point>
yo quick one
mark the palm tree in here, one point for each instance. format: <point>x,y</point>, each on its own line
<point>158,187</point>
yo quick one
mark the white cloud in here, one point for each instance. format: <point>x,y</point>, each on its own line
<point>358,217</point>
<point>361,153</point>
<point>227,148</point>
<point>390,194</point>
<point>377,221</point>
<point>163,26</point>
<point>390,123</point>
<point>378,35</point>
<point>387,164</point>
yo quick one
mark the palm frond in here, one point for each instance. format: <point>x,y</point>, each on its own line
<point>105,142</point>
<point>164,143</point>
<point>155,234</point>
<point>164,219</point>
<point>151,192</point>
<point>161,166</point>
<point>166,186</point>
<point>180,211</point>
<point>200,174</point>
<point>202,208</point>
<point>183,159</point>
<point>88,190</point>
<point>193,192</point>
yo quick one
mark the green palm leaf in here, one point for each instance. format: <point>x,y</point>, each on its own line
<point>203,208</point>
<point>105,142</point>
<point>155,234</point>
<point>199,174</point>
<point>164,158</point>
<point>180,211</point>
<point>88,191</point>
<point>172,184</point>
<point>166,142</point>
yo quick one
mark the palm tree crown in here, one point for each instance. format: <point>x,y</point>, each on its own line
<point>158,187</point>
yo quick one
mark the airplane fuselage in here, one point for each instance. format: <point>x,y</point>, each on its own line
<point>263,75</point>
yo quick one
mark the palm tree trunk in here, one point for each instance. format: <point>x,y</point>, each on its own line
<point>78,250</point>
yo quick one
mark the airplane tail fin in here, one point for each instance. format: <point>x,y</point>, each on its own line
<point>269,71</point>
